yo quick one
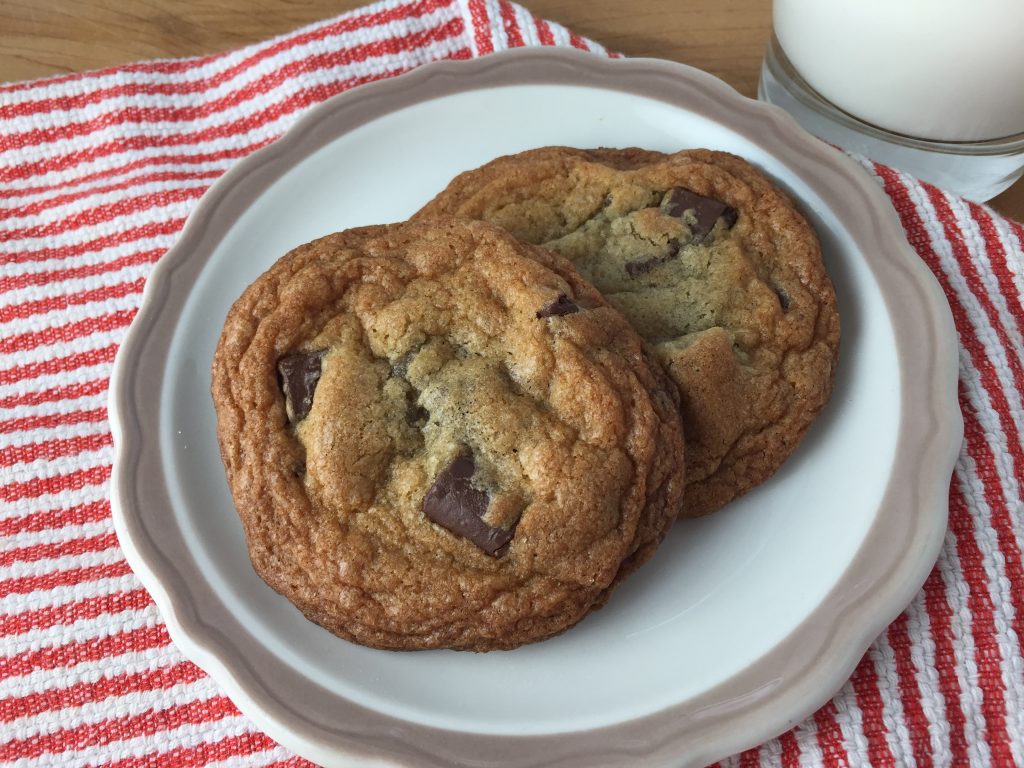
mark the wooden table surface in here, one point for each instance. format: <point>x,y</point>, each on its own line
<point>46,37</point>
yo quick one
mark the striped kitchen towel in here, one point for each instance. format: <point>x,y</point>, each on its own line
<point>97,174</point>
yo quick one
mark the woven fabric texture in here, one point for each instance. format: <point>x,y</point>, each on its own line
<point>97,174</point>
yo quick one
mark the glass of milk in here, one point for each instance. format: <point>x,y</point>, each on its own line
<point>934,87</point>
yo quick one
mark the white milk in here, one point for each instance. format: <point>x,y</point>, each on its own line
<point>949,70</point>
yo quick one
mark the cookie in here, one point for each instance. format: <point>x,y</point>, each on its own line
<point>439,437</point>
<point>711,263</point>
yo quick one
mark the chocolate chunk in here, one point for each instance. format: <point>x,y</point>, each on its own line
<point>298,375</point>
<point>453,503</point>
<point>563,305</point>
<point>637,268</point>
<point>784,300</point>
<point>706,210</point>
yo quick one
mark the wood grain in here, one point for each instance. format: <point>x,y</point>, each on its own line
<point>47,37</point>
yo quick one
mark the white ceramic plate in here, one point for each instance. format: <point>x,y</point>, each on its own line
<point>741,625</point>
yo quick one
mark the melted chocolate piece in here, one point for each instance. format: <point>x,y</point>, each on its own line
<point>784,300</point>
<point>298,375</point>
<point>706,210</point>
<point>563,305</point>
<point>453,503</point>
<point>637,268</point>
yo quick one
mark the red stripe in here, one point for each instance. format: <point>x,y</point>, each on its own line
<point>77,546</point>
<point>969,270</point>
<point>76,695</point>
<point>230,153</point>
<point>978,445</point>
<point>980,450</point>
<point>35,208</point>
<point>979,600</point>
<point>996,253</point>
<point>544,33</point>
<point>751,758</point>
<point>987,653</point>
<point>37,486</point>
<point>69,613</point>
<point>481,26</point>
<point>910,692</point>
<point>186,113</point>
<point>869,699</point>
<point>110,731</point>
<point>830,738</point>
<point>511,24</point>
<point>193,757</point>
<point>22,585</point>
<point>53,449</point>
<point>301,99</point>
<point>164,88</point>
<point>99,214</point>
<point>62,334</point>
<point>70,654</point>
<point>121,237</point>
<point>30,279</point>
<point>940,617</point>
<point>578,42</point>
<point>50,421</point>
<point>49,519</point>
<point>790,750</point>
<point>69,392</point>
<point>65,300</point>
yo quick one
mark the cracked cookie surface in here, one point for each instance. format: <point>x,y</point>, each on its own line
<point>438,436</point>
<point>713,266</point>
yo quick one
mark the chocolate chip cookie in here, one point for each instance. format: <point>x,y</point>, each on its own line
<point>439,437</point>
<point>711,263</point>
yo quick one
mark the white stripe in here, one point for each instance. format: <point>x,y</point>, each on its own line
<point>770,753</point>
<point>374,66</point>
<point>109,228</point>
<point>54,407</point>
<point>240,82</point>
<point>499,37</point>
<point>1011,663</point>
<point>190,735</point>
<point>44,435</point>
<point>195,74</point>
<point>132,178</point>
<point>974,239</point>
<point>12,361</point>
<point>51,566</point>
<point>964,651</point>
<point>994,352</point>
<point>527,26</point>
<point>81,631</point>
<point>45,382</point>
<point>811,755</point>
<point>61,500</point>
<point>258,760</point>
<point>922,655</point>
<point>897,735</point>
<point>63,465</point>
<point>59,213</point>
<point>73,313</point>
<point>66,178</point>
<point>90,671</point>
<point>850,720</point>
<point>1014,249</point>
<point>93,258</point>
<point>76,285</point>
<point>128,705</point>
<point>560,34</point>
<point>65,533</point>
